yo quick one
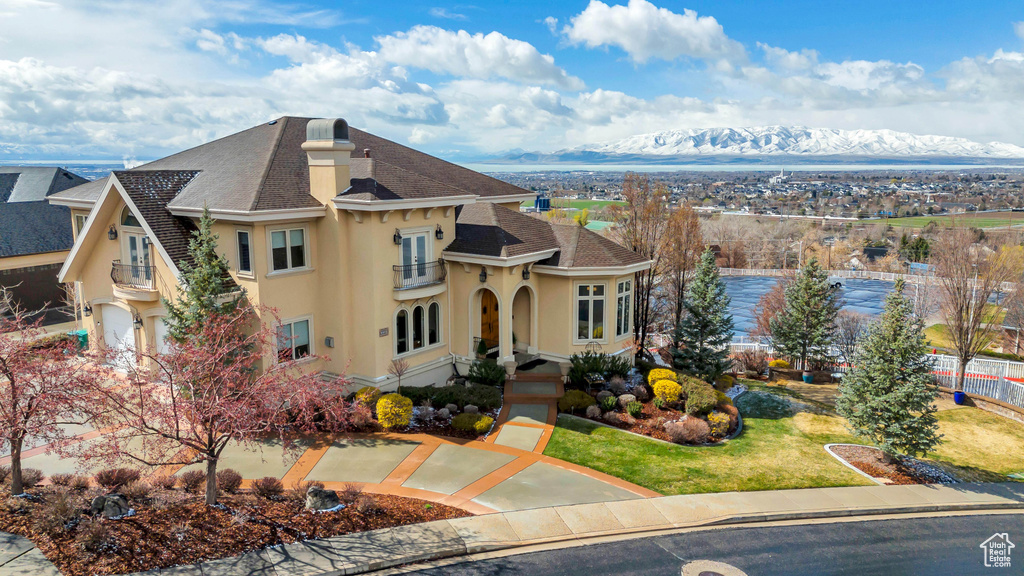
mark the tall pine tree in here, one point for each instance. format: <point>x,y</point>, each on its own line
<point>806,327</point>
<point>706,329</point>
<point>204,288</point>
<point>889,394</point>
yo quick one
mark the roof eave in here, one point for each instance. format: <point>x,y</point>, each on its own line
<point>503,261</point>
<point>253,215</point>
<point>592,270</point>
<point>342,203</point>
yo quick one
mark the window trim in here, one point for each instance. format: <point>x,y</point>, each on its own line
<point>628,294</point>
<point>78,228</point>
<point>308,243</point>
<point>312,339</point>
<point>410,318</point>
<point>251,273</point>
<point>576,311</point>
<point>427,231</point>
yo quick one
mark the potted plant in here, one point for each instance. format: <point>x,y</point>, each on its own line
<point>959,397</point>
<point>481,349</point>
<point>808,377</point>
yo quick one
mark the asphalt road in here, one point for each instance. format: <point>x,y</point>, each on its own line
<point>931,546</point>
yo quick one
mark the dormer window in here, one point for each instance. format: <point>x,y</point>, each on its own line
<point>129,219</point>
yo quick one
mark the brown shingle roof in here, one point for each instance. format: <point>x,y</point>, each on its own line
<point>150,191</point>
<point>486,229</point>
<point>582,248</point>
<point>374,179</point>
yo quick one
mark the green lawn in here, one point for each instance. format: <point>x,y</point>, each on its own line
<point>580,204</point>
<point>983,220</point>
<point>779,451</point>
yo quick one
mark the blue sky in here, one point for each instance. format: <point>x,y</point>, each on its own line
<point>120,79</point>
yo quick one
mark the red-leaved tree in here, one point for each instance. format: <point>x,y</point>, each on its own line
<point>221,384</point>
<point>43,385</point>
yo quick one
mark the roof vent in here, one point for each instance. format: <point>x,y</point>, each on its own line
<point>327,129</point>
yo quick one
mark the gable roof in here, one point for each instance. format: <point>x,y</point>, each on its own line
<point>264,168</point>
<point>487,229</point>
<point>28,223</point>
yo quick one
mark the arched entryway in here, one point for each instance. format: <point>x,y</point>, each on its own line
<point>523,333</point>
<point>488,336</point>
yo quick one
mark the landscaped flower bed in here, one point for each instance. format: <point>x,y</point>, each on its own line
<point>904,470</point>
<point>171,527</point>
<point>689,413</point>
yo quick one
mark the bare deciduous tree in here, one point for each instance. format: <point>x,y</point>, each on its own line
<point>640,226</point>
<point>683,247</point>
<point>969,274</point>
<point>850,326</point>
<point>398,368</point>
<point>768,307</point>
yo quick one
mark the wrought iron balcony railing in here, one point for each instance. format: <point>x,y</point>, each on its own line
<point>131,276</point>
<point>418,275</point>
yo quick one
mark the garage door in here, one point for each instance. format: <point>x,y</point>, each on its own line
<point>119,335</point>
<point>160,335</point>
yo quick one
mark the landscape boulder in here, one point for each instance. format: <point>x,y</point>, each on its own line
<point>602,395</point>
<point>110,506</point>
<point>451,408</point>
<point>471,409</point>
<point>444,413</point>
<point>625,399</point>
<point>318,498</point>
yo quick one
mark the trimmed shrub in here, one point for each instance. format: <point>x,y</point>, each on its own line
<point>81,483</point>
<point>732,412</point>
<point>57,514</point>
<point>689,431</point>
<point>700,398</point>
<point>62,479</point>
<point>719,424</point>
<point>593,412</point>
<point>267,487</point>
<point>478,423</point>
<point>367,396</point>
<point>191,480</point>
<point>617,385</point>
<point>667,390</point>
<point>349,492</point>
<point>93,536</point>
<point>367,505</point>
<point>617,366</point>
<point>163,481</point>
<point>31,477</point>
<point>634,409</point>
<point>136,490</point>
<point>114,478</point>
<point>574,400</point>
<point>753,360</point>
<point>609,403</point>
<point>661,374</point>
<point>723,400</point>
<point>724,382</point>
<point>487,373</point>
<point>658,402</point>
<point>229,481</point>
<point>394,410</point>
<point>779,363</point>
<point>483,396</point>
<point>584,365</point>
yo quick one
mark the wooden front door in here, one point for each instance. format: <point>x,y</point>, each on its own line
<point>489,318</point>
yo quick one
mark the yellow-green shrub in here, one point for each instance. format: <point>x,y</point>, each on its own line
<point>478,423</point>
<point>719,423</point>
<point>394,410</point>
<point>724,382</point>
<point>575,400</point>
<point>667,390</point>
<point>723,400</point>
<point>779,363</point>
<point>368,396</point>
<point>660,374</point>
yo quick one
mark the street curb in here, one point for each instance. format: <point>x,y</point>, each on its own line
<point>364,552</point>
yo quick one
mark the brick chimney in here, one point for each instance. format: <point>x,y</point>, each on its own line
<point>328,151</point>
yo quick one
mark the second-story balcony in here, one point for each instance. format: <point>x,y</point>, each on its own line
<point>411,276</point>
<point>136,282</point>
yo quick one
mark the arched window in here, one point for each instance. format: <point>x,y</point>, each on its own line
<point>129,219</point>
<point>434,323</point>
<point>402,332</point>
<point>417,328</point>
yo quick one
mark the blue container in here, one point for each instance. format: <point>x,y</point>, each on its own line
<point>808,378</point>
<point>959,397</point>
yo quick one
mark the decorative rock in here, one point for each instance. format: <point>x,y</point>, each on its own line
<point>319,499</point>
<point>627,419</point>
<point>471,409</point>
<point>641,393</point>
<point>593,411</point>
<point>612,417</point>
<point>110,506</point>
<point>602,395</point>
<point>617,385</point>
<point>444,413</point>
<point>625,399</point>
<point>451,408</point>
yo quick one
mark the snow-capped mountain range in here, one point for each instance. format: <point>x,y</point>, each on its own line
<point>790,143</point>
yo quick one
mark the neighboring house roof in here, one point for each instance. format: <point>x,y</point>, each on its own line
<point>28,223</point>
<point>582,248</point>
<point>264,168</point>
<point>486,229</point>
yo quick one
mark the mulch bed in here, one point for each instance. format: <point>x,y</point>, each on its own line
<point>172,528</point>
<point>650,423</point>
<point>436,427</point>
<point>872,462</point>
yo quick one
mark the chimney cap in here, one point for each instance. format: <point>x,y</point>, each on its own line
<point>327,129</point>
<point>366,152</point>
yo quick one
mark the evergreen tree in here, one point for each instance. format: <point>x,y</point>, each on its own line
<point>888,396</point>
<point>805,328</point>
<point>706,329</point>
<point>203,289</point>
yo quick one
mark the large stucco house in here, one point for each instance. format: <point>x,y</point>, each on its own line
<point>369,250</point>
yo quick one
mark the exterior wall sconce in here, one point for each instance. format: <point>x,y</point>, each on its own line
<point>439,233</point>
<point>87,310</point>
<point>112,233</point>
<point>483,274</point>
<point>137,322</point>
<point>398,237</point>
<point>526,273</point>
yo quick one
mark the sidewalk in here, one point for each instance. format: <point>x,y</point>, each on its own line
<point>367,551</point>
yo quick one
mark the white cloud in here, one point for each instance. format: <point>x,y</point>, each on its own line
<point>645,31</point>
<point>552,23</point>
<point>782,58</point>
<point>444,13</point>
<point>473,55</point>
<point>1018,29</point>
